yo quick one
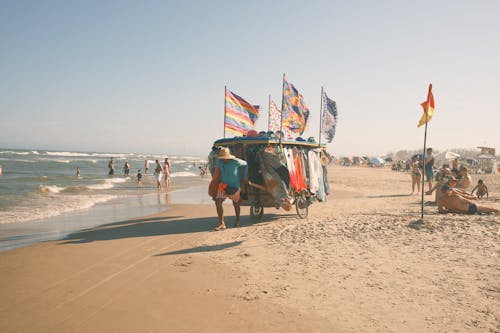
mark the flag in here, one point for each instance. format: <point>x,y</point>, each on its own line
<point>294,112</point>
<point>240,116</point>
<point>428,106</point>
<point>274,117</point>
<point>329,118</point>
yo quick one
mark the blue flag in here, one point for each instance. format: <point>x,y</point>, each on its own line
<point>330,115</point>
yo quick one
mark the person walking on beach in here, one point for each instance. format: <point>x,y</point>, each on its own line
<point>227,177</point>
<point>167,173</point>
<point>146,166</point>
<point>158,174</point>
<point>451,202</point>
<point>111,166</point>
<point>416,175</point>
<point>429,167</point>
<point>139,178</point>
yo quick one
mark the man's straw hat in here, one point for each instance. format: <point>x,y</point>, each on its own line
<point>225,154</point>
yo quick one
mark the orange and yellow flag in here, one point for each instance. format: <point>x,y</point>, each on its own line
<point>428,106</point>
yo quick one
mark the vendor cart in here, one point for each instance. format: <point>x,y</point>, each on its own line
<point>282,174</point>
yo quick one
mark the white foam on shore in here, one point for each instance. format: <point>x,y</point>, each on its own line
<point>50,189</point>
<point>183,174</point>
<point>68,203</point>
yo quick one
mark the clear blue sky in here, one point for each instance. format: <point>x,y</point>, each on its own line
<point>149,76</point>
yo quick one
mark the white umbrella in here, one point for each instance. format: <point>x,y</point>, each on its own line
<point>446,155</point>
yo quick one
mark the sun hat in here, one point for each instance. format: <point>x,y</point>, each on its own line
<point>252,133</point>
<point>225,154</point>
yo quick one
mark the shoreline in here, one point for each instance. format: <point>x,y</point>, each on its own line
<point>14,235</point>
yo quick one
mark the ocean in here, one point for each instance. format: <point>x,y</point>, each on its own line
<point>42,198</point>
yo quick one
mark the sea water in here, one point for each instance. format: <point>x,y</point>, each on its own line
<point>42,198</point>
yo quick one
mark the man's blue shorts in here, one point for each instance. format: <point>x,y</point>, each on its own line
<point>429,173</point>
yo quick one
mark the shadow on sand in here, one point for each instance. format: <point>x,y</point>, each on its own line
<point>388,196</point>
<point>158,226</point>
<point>207,248</point>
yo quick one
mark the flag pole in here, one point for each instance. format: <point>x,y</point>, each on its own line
<point>321,111</point>
<point>282,107</point>
<point>269,113</point>
<point>423,154</point>
<point>224,122</point>
<point>423,173</point>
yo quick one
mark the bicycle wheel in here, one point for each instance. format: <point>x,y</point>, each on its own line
<point>256,212</point>
<point>302,207</point>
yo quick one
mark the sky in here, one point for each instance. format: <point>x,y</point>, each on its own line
<point>149,76</point>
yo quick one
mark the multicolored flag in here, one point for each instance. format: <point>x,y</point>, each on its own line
<point>274,117</point>
<point>240,116</point>
<point>329,118</point>
<point>428,106</point>
<point>294,111</point>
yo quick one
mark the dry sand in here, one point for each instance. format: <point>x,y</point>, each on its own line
<point>359,263</point>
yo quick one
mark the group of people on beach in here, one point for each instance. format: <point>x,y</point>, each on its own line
<point>450,187</point>
<point>161,172</point>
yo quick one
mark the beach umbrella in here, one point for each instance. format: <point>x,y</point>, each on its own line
<point>446,155</point>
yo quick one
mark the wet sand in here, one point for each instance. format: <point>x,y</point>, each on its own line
<point>362,262</point>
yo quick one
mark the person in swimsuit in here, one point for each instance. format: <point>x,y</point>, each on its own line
<point>415,175</point>
<point>139,178</point>
<point>481,188</point>
<point>158,174</point>
<point>465,179</point>
<point>167,173</point>
<point>111,166</point>
<point>451,202</point>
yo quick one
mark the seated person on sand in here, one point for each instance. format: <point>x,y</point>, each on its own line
<point>450,202</point>
<point>441,176</point>
<point>465,179</point>
<point>481,189</point>
<point>452,183</point>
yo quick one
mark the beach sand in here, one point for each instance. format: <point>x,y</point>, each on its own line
<point>361,262</point>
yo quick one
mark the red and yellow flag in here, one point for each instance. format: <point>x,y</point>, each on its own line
<point>428,106</point>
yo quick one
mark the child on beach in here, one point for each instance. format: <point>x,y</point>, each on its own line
<point>481,188</point>
<point>139,178</point>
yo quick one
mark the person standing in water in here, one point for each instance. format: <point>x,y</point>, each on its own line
<point>111,166</point>
<point>158,174</point>
<point>167,173</point>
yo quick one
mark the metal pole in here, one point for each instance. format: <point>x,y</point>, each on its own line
<point>269,114</point>
<point>282,106</point>
<point>423,173</point>
<point>320,116</point>
<point>224,122</point>
<point>423,155</point>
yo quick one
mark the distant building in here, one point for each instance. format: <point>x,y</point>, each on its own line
<point>487,150</point>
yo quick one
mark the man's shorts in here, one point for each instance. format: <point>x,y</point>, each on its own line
<point>222,195</point>
<point>429,174</point>
<point>472,209</point>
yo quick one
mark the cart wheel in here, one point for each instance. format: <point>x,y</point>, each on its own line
<point>256,212</point>
<point>302,207</point>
